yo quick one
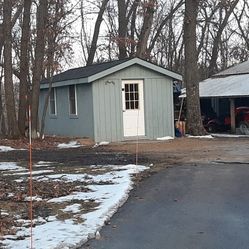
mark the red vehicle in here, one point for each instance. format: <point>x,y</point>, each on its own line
<point>241,119</point>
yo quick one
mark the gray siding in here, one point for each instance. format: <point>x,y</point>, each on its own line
<point>65,125</point>
<point>159,116</point>
<point>107,104</point>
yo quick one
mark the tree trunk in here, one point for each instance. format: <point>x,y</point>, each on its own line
<point>42,12</point>
<point>24,67</point>
<point>122,29</point>
<point>194,122</point>
<point>98,22</point>
<point>146,29</point>
<point>2,116</point>
<point>45,108</point>
<point>50,74</point>
<point>13,131</point>
<point>1,36</point>
<point>133,30</point>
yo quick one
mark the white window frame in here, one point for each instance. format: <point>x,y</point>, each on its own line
<point>53,90</point>
<point>75,97</point>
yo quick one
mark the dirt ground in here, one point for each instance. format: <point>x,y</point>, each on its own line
<point>191,150</point>
<point>171,152</point>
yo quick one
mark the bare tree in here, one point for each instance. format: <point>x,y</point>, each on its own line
<point>146,29</point>
<point>229,7</point>
<point>42,13</point>
<point>98,22</point>
<point>8,81</point>
<point>122,28</point>
<point>2,116</point>
<point>194,122</point>
<point>57,28</point>
<point>24,67</point>
<point>168,18</point>
<point>127,13</point>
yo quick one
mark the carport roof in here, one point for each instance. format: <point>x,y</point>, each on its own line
<point>242,68</point>
<point>229,86</point>
<point>230,83</point>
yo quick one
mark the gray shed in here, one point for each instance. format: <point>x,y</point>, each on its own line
<point>111,101</point>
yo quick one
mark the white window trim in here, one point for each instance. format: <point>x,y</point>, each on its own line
<point>76,101</point>
<point>55,103</point>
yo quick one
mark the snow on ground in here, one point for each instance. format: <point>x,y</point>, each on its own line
<point>50,233</point>
<point>37,172</point>
<point>164,138</point>
<point>101,144</point>
<point>206,136</point>
<point>228,135</point>
<point>6,148</point>
<point>42,164</point>
<point>104,143</point>
<point>71,144</point>
<point>8,166</point>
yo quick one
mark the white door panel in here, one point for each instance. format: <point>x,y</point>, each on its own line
<point>133,108</point>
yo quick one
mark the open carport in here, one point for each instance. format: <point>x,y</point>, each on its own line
<point>226,91</point>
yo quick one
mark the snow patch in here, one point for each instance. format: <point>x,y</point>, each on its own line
<point>103,143</point>
<point>37,172</point>
<point>54,233</point>
<point>206,136</point>
<point>228,135</point>
<point>10,166</point>
<point>72,144</point>
<point>6,148</point>
<point>164,138</point>
<point>42,164</point>
<point>75,208</point>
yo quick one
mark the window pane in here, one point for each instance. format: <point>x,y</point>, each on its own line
<point>52,102</point>
<point>132,105</point>
<point>72,100</point>
<point>72,107</point>
<point>131,96</point>
<point>136,104</point>
<point>136,87</point>
<point>131,87</point>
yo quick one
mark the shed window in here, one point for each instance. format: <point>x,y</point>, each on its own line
<point>72,100</point>
<point>52,102</point>
<point>131,96</point>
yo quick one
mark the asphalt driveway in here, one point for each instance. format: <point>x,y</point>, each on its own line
<point>184,207</point>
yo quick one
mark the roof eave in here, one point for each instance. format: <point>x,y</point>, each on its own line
<point>66,83</point>
<point>132,62</point>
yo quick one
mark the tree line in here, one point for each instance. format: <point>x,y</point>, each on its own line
<point>36,38</point>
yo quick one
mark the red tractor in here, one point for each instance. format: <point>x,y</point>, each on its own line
<point>224,124</point>
<point>242,119</point>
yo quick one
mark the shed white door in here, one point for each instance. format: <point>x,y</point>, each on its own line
<point>133,108</point>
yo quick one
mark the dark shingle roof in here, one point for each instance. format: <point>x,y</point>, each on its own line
<point>83,72</point>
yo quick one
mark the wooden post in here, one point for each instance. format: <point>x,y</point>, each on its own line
<point>232,115</point>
